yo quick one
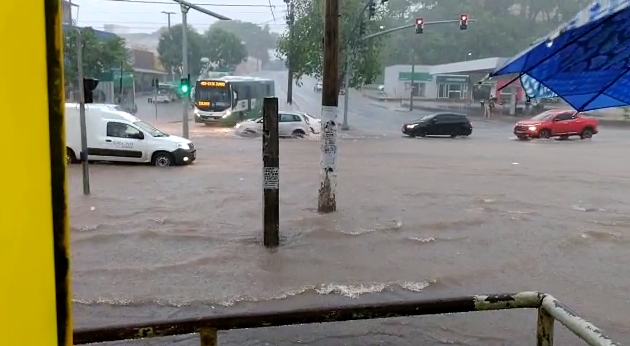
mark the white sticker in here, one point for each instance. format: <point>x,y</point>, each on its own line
<point>329,139</point>
<point>271,178</point>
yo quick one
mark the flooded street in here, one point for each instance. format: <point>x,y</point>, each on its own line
<point>417,218</point>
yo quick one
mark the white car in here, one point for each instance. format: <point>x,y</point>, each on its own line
<point>290,124</point>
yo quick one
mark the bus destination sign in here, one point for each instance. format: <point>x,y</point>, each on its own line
<point>203,103</point>
<point>215,84</point>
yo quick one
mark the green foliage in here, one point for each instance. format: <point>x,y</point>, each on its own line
<point>217,44</point>
<point>223,47</point>
<point>170,48</point>
<point>307,48</point>
<point>99,55</point>
<point>258,40</point>
<point>502,28</point>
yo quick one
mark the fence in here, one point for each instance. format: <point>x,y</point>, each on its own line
<point>549,310</point>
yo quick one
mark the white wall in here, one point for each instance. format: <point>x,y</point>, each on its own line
<point>396,88</point>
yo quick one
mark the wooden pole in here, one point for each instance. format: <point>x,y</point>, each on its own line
<point>327,200</point>
<point>271,181</point>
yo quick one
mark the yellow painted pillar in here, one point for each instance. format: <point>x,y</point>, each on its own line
<point>35,299</point>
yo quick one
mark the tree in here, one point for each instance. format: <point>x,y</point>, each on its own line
<point>99,55</point>
<point>170,49</point>
<point>306,51</point>
<point>223,47</point>
<point>258,40</point>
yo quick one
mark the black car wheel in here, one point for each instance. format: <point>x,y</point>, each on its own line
<point>422,133</point>
<point>587,133</point>
<point>544,134</point>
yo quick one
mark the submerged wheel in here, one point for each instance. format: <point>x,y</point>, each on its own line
<point>70,156</point>
<point>298,134</point>
<point>544,134</point>
<point>587,133</point>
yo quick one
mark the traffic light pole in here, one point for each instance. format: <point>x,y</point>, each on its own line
<point>407,26</point>
<point>186,99</point>
<point>84,150</point>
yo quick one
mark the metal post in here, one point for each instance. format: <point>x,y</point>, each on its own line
<point>208,337</point>
<point>413,71</point>
<point>290,58</point>
<point>168,16</point>
<point>544,330</point>
<point>155,95</point>
<point>186,100</point>
<point>84,150</point>
<point>346,79</point>
<point>271,178</point>
<point>327,199</point>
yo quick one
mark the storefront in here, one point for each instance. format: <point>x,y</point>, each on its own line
<point>452,86</point>
<point>419,81</point>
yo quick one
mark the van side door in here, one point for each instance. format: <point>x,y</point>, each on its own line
<point>123,142</point>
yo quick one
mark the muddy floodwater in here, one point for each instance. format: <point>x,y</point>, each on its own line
<point>417,218</point>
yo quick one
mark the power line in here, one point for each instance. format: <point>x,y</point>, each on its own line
<point>199,4</point>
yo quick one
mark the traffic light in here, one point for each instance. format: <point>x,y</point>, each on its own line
<point>371,9</point>
<point>89,84</point>
<point>184,85</point>
<point>463,22</point>
<point>419,25</point>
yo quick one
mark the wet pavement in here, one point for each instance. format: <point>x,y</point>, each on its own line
<point>417,218</point>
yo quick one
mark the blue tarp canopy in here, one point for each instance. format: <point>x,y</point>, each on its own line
<point>98,33</point>
<point>586,61</point>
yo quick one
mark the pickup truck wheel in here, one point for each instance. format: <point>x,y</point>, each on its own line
<point>544,134</point>
<point>587,133</point>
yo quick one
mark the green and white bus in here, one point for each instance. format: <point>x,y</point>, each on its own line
<point>230,99</point>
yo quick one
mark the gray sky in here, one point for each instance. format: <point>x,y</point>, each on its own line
<point>146,16</point>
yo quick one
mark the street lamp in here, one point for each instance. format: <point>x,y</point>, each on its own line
<point>467,55</point>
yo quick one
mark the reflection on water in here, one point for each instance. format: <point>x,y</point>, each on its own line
<point>187,240</point>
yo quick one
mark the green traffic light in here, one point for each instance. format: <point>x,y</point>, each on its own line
<point>184,88</point>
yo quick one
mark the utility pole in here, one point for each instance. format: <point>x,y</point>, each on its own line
<point>327,199</point>
<point>290,57</point>
<point>186,100</point>
<point>271,178</point>
<point>84,151</point>
<point>413,72</point>
<point>168,16</point>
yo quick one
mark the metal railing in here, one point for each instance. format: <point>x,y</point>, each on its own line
<point>549,310</point>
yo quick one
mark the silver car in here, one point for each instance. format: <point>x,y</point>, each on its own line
<point>290,124</point>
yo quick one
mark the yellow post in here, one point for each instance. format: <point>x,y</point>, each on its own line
<point>35,299</point>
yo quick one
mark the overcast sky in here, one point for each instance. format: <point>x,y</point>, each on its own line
<point>146,16</point>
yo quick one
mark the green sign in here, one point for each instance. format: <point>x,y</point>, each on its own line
<point>445,79</point>
<point>417,76</point>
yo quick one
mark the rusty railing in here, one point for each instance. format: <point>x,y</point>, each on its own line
<point>549,310</point>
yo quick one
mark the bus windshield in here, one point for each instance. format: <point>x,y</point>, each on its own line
<point>212,97</point>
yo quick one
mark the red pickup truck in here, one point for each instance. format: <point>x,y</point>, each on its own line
<point>556,123</point>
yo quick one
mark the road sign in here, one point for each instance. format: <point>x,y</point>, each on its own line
<point>34,289</point>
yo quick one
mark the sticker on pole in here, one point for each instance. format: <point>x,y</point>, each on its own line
<point>271,178</point>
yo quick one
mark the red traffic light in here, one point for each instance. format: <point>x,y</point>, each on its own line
<point>419,21</point>
<point>463,17</point>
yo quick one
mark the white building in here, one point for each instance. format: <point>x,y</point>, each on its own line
<point>447,81</point>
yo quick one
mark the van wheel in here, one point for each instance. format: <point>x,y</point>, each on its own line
<point>70,156</point>
<point>298,134</point>
<point>162,160</point>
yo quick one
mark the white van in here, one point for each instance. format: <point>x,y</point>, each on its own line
<point>114,135</point>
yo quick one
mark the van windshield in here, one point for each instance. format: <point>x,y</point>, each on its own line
<point>150,129</point>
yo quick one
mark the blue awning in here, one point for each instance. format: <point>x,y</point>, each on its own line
<point>586,61</point>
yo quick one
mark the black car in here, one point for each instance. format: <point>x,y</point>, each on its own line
<point>439,124</point>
